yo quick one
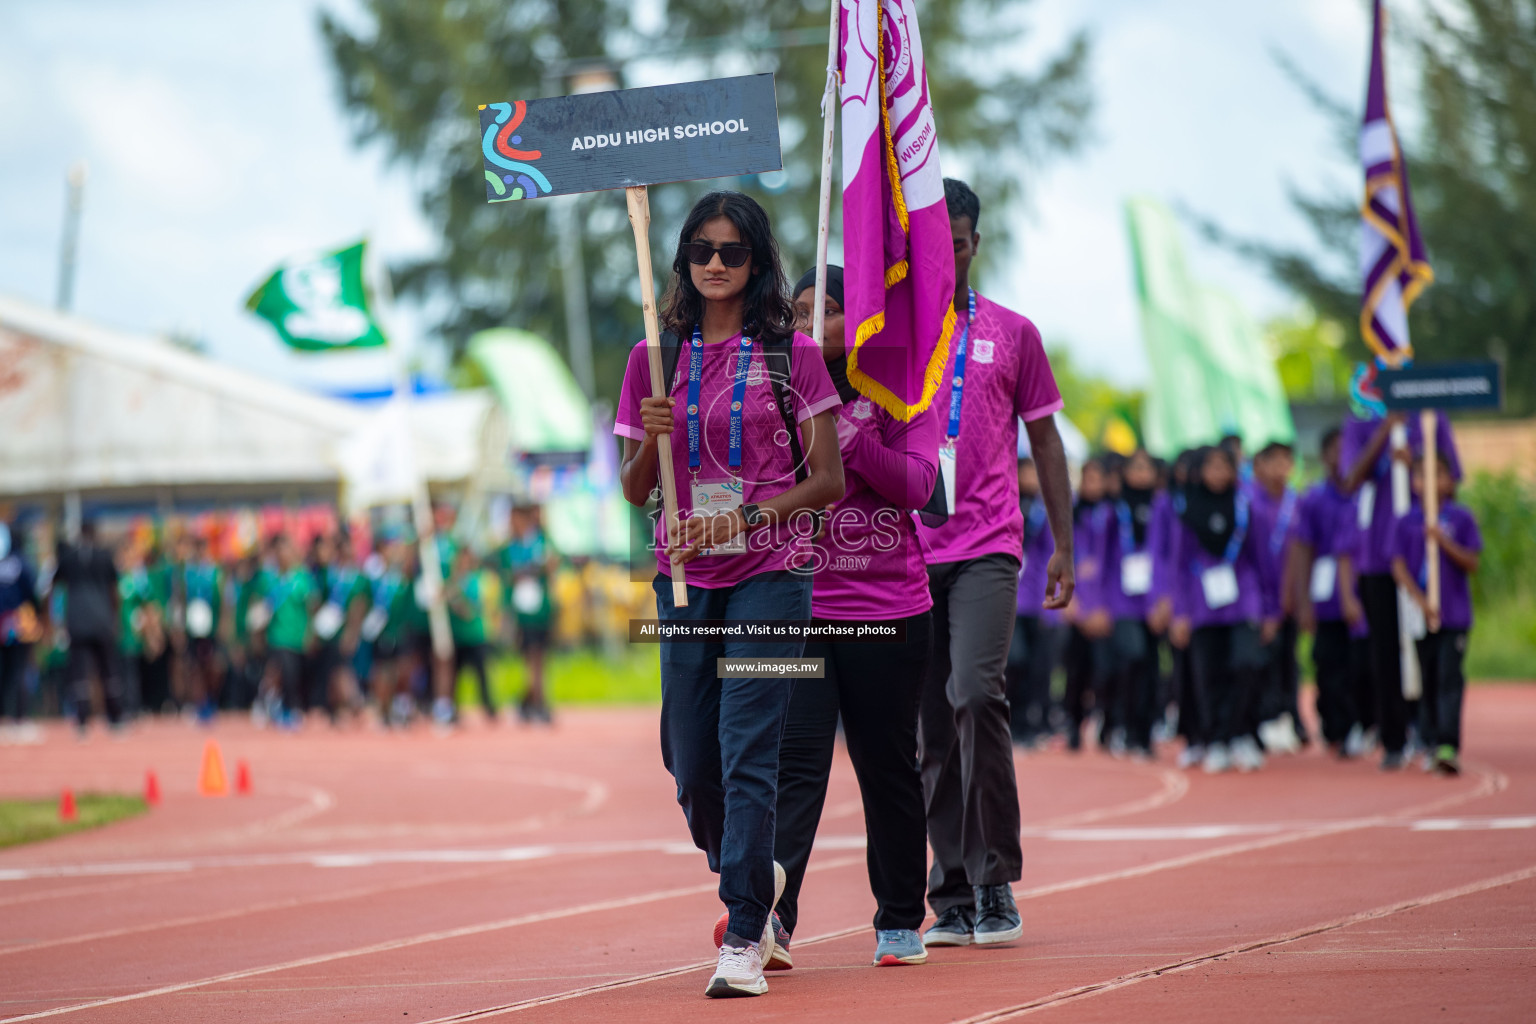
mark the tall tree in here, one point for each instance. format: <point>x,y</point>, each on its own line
<point>1473,173</point>
<point>412,77</point>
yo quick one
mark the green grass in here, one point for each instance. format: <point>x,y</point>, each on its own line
<point>1502,644</point>
<point>30,821</point>
<point>576,677</point>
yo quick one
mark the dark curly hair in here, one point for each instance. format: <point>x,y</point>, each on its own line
<point>767,315</point>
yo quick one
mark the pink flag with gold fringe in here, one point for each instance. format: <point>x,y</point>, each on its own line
<point>899,270</point>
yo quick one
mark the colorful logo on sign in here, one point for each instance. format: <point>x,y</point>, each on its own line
<point>516,177</point>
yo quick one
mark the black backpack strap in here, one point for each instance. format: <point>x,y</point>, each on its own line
<point>671,346</point>
<point>936,512</point>
<point>778,360</point>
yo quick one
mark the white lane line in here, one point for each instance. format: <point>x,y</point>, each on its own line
<point>1175,784</point>
<point>465,931</point>
<point>545,851</point>
<point>1098,988</point>
<point>347,859</point>
<point>238,912</point>
<point>1471,824</point>
<point>380,947</point>
<point>1490,781</point>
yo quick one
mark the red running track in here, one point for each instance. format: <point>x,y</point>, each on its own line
<point>504,874</point>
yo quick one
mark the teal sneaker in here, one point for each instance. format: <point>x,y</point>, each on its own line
<point>898,946</point>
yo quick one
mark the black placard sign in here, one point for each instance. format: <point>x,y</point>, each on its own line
<point>608,140</point>
<point>1470,385</point>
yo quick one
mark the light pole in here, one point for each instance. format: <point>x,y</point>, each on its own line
<point>74,197</point>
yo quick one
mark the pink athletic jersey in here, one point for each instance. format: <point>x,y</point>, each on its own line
<point>766,465</point>
<point>1007,378</point>
<point>869,562</point>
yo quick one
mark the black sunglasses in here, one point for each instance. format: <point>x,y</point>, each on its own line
<point>733,255</point>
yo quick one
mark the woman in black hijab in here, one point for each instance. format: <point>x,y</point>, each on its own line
<point>1225,608</point>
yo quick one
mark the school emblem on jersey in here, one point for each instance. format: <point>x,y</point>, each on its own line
<point>982,350</point>
<point>862,409</point>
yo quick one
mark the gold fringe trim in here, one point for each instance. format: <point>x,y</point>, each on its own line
<point>892,168</point>
<point>1422,274</point>
<point>882,396</point>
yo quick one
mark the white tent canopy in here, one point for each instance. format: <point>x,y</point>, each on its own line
<point>87,409</point>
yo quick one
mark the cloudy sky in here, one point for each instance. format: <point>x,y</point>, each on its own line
<point>216,148</point>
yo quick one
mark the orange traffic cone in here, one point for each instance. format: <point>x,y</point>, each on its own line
<point>67,810</point>
<point>151,789</point>
<point>242,778</point>
<point>211,780</point>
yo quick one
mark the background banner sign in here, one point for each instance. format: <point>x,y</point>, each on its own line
<point>1471,385</point>
<point>630,137</point>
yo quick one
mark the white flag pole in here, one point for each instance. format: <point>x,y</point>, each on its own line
<point>829,103</point>
<point>1413,686</point>
<point>421,500</point>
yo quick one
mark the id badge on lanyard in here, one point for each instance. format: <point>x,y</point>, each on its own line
<point>199,618</point>
<point>717,497</point>
<point>1325,574</point>
<point>956,397</point>
<point>1135,566</point>
<point>1219,583</point>
<point>1136,574</point>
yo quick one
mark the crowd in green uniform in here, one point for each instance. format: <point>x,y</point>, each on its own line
<point>329,630</point>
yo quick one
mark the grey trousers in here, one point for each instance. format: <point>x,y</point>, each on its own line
<point>966,749</point>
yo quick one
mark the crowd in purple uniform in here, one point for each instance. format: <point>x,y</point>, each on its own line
<point>1197,580</point>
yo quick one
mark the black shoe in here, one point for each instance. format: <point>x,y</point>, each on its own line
<point>997,917</point>
<point>955,927</point>
<point>1393,761</point>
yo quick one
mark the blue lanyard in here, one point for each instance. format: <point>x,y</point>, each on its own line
<point>199,582</point>
<point>384,591</point>
<point>283,589</point>
<point>738,398</point>
<point>1127,537</point>
<point>343,580</point>
<point>1283,523</point>
<point>1035,520</point>
<point>957,387</point>
<point>1240,531</point>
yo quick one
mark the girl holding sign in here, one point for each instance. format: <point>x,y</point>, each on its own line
<point>748,507</point>
<point>1225,608</point>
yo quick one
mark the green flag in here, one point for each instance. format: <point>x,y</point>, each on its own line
<point>546,409</point>
<point>1211,374</point>
<point>319,304</point>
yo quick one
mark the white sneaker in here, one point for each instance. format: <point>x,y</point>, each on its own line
<point>739,972</point>
<point>1354,743</point>
<point>1273,734</point>
<point>1292,735</point>
<point>1246,756</point>
<point>1191,756</point>
<point>767,945</point>
<point>1216,759</point>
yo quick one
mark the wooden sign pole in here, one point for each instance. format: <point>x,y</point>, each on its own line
<point>1427,425</point>
<point>640,220</point>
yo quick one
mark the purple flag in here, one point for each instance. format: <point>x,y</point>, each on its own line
<point>898,263</point>
<point>1393,265</point>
